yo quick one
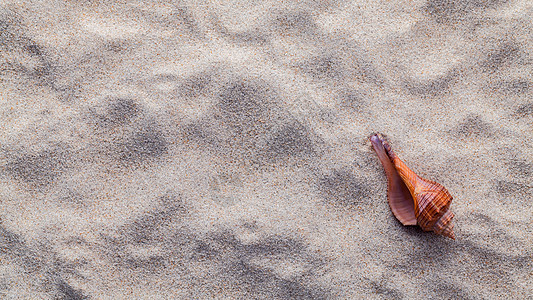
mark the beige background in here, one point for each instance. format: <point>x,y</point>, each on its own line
<point>177,150</point>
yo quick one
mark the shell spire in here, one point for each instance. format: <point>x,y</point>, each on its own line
<point>413,199</point>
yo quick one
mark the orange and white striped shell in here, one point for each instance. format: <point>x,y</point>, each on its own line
<point>413,199</point>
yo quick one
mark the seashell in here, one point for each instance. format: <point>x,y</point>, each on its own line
<point>413,199</point>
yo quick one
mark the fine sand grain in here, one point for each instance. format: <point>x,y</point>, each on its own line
<point>176,150</point>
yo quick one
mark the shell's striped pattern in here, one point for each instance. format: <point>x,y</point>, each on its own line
<point>431,200</point>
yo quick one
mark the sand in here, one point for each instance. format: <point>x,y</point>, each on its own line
<point>176,150</point>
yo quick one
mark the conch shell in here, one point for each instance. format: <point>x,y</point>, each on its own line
<point>412,199</point>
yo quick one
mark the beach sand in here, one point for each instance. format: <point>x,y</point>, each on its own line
<point>172,150</point>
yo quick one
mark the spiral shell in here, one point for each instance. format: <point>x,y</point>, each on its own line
<point>413,199</point>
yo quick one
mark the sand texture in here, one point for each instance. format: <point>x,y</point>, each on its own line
<point>178,150</point>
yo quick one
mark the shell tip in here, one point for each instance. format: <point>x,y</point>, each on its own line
<point>449,233</point>
<point>376,138</point>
